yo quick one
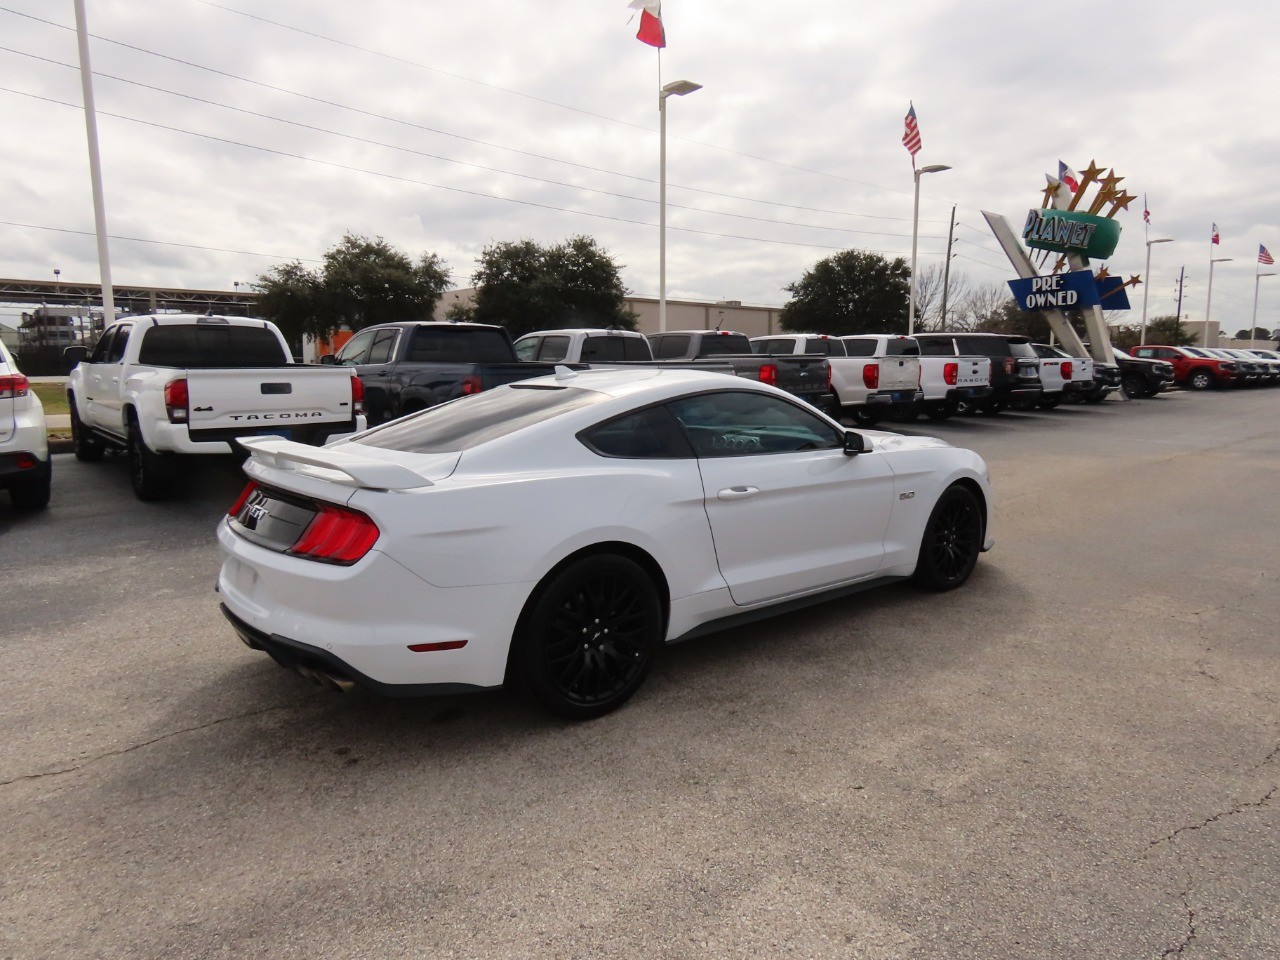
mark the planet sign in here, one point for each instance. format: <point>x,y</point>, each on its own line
<point>1070,231</point>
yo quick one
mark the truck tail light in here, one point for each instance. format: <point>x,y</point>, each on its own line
<point>871,376</point>
<point>1010,365</point>
<point>13,385</point>
<point>769,374</point>
<point>828,376</point>
<point>336,535</point>
<point>177,401</point>
<point>1066,369</point>
<point>357,395</point>
<point>951,373</point>
<point>472,384</point>
<point>245,494</point>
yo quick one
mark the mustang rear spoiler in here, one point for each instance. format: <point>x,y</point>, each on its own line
<point>358,471</point>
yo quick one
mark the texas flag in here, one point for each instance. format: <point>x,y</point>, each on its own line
<point>1068,176</point>
<point>650,31</point>
<point>1214,238</point>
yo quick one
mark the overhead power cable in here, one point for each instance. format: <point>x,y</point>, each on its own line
<point>418,126</point>
<point>435,156</point>
<point>166,243</point>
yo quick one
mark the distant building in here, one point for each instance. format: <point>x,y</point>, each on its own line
<point>57,327</point>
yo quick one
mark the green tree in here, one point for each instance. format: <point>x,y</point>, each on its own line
<point>362,282</point>
<point>525,287</point>
<point>291,299</point>
<point>1170,332</point>
<point>1010,318</point>
<point>850,292</point>
<point>1259,333</point>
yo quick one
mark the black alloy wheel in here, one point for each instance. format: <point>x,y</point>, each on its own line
<point>952,540</point>
<point>86,447</point>
<point>590,637</point>
<point>1133,385</point>
<point>148,473</point>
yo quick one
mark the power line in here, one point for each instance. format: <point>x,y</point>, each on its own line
<point>166,243</point>
<point>444,159</point>
<point>456,136</point>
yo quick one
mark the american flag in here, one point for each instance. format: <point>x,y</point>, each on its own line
<point>911,135</point>
<point>1264,255</point>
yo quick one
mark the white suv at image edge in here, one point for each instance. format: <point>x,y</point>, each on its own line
<point>24,445</point>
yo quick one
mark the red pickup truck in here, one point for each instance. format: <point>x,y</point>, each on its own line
<point>1191,368</point>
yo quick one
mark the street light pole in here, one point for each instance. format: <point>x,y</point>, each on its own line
<point>1253,327</point>
<point>1209,300</point>
<point>1146,287</point>
<point>915,235</point>
<point>677,88</point>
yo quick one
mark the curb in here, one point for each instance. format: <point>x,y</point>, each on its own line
<point>60,445</point>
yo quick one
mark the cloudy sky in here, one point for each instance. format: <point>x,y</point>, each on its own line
<point>236,135</point>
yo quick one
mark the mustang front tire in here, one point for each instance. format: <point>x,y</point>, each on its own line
<point>588,640</point>
<point>952,540</point>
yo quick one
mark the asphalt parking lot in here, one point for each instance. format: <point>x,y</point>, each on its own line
<point>1076,755</point>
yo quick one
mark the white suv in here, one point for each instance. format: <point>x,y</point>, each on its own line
<point>24,445</point>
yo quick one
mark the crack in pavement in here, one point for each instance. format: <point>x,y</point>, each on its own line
<point>138,746</point>
<point>1177,950</point>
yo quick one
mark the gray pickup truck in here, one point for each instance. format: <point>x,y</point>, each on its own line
<point>807,376</point>
<point>413,365</point>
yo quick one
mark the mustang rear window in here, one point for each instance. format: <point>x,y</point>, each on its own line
<point>470,421</point>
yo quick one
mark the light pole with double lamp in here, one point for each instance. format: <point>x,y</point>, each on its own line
<point>1209,299</point>
<point>915,233</point>
<point>676,88</point>
<point>1146,287</point>
<point>1253,327</point>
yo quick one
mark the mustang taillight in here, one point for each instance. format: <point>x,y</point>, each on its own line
<point>1066,369</point>
<point>177,401</point>
<point>357,395</point>
<point>472,384</point>
<point>13,385</point>
<point>951,373</point>
<point>871,376</point>
<point>336,535</point>
<point>245,494</point>
<point>769,374</point>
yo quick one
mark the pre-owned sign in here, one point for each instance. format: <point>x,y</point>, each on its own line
<point>1060,291</point>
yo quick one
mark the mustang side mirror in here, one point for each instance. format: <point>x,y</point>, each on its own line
<point>854,443</point>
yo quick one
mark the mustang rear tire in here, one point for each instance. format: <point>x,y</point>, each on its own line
<point>589,638</point>
<point>952,540</point>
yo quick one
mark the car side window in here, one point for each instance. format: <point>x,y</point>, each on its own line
<point>741,423</point>
<point>860,348</point>
<point>121,340</point>
<point>527,347</point>
<point>383,347</point>
<point>649,434</point>
<point>937,347</point>
<point>356,349</point>
<point>102,347</point>
<point>554,349</point>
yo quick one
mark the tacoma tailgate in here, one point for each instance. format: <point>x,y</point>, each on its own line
<point>269,399</point>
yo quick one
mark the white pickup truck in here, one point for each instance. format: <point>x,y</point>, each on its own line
<point>1062,375</point>
<point>871,376</point>
<point>952,384</point>
<point>156,386</point>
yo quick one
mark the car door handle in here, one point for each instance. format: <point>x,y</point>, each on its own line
<point>738,493</point>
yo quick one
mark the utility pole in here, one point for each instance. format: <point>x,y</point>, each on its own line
<point>946,270</point>
<point>1177,323</point>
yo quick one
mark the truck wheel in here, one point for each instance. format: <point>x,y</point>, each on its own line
<point>991,409</point>
<point>835,409</point>
<point>952,540</point>
<point>943,411</point>
<point>1048,403</point>
<point>1200,380</point>
<point>1133,386</point>
<point>149,474</point>
<point>864,417</point>
<point>31,495</point>
<point>86,447</point>
<point>589,637</point>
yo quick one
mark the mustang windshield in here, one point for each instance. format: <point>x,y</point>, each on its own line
<point>470,421</point>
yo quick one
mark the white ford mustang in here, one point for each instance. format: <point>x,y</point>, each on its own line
<point>557,532</point>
